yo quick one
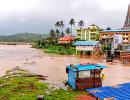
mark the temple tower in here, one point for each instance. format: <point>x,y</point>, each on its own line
<point>127,20</point>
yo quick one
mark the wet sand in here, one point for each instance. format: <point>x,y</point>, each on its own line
<point>53,66</point>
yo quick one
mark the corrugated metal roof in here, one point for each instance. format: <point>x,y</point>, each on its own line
<point>82,67</point>
<point>85,43</point>
<point>118,92</point>
<point>115,31</point>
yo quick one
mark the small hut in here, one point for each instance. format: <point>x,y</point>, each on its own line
<point>83,76</point>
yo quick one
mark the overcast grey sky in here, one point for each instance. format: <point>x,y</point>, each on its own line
<point>40,15</point>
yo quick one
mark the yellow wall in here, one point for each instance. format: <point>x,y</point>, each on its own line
<point>89,33</point>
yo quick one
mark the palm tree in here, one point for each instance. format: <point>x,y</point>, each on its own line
<point>57,32</point>
<point>62,26</point>
<point>52,33</point>
<point>57,24</point>
<point>67,31</point>
<point>81,23</point>
<point>108,28</point>
<point>72,22</point>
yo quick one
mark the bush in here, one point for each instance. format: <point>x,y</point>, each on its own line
<point>59,49</point>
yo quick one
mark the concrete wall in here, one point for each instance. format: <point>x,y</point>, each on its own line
<point>84,48</point>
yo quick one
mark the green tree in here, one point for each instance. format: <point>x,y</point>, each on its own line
<point>108,28</point>
<point>57,24</point>
<point>81,23</point>
<point>71,22</point>
<point>67,31</point>
<point>62,27</point>
<point>57,32</point>
<point>97,37</point>
<point>52,33</point>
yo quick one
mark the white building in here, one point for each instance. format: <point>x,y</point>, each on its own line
<point>87,46</point>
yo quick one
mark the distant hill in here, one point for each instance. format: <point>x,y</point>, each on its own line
<point>22,37</point>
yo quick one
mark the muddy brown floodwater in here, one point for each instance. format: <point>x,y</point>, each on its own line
<point>54,66</point>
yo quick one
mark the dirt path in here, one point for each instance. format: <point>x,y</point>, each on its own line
<point>85,97</point>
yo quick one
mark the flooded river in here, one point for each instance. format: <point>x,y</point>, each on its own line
<point>54,66</point>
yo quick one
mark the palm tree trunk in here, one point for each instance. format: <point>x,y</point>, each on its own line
<point>57,33</point>
<point>61,32</point>
<point>71,30</point>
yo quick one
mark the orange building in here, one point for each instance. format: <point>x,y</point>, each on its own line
<point>109,33</point>
<point>66,40</point>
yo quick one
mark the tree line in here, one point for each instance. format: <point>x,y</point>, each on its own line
<point>23,37</point>
<point>60,31</point>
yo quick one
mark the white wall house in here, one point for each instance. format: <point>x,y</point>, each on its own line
<point>85,46</point>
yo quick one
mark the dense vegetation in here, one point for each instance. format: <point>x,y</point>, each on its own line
<point>19,84</point>
<point>60,49</point>
<point>50,45</point>
<point>22,37</point>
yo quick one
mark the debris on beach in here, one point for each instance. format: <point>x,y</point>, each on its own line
<point>41,77</point>
<point>19,72</point>
<point>30,63</point>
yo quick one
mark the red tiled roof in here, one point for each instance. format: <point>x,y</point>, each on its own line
<point>67,38</point>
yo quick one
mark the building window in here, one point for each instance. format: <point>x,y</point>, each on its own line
<point>123,38</point>
<point>126,34</point>
<point>78,30</point>
<point>126,38</point>
<point>93,30</point>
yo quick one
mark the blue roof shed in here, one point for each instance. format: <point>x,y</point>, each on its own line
<point>82,76</point>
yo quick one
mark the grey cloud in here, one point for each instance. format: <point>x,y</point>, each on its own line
<point>43,17</point>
